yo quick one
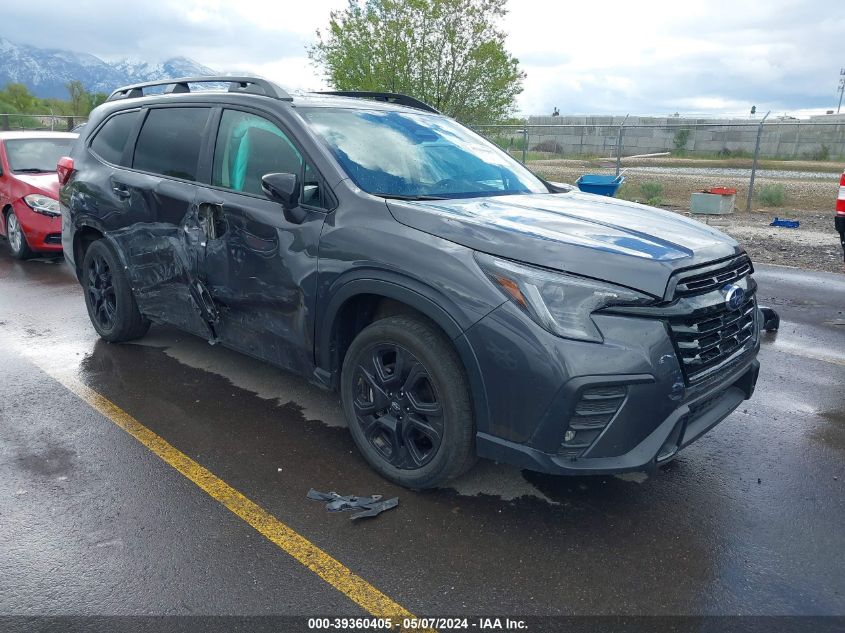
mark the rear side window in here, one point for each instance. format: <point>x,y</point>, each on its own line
<point>170,141</point>
<point>110,140</point>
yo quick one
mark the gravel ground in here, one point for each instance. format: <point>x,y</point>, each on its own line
<point>814,245</point>
<point>741,173</point>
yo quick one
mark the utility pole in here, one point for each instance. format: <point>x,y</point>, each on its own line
<point>841,88</point>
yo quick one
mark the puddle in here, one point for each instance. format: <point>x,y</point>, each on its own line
<point>497,480</point>
<point>832,433</point>
<point>263,380</point>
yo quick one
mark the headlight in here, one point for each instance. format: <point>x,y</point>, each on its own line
<point>560,303</point>
<point>42,204</point>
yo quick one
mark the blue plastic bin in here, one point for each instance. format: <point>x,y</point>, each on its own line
<point>600,184</point>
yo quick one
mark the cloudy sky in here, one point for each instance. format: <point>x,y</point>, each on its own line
<point>608,57</point>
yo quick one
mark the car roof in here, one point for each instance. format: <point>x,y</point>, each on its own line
<point>25,134</point>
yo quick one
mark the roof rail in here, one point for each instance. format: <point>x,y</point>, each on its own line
<point>389,97</point>
<point>253,85</point>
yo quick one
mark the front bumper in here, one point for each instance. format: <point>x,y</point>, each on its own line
<point>538,385</point>
<point>683,426</point>
<point>43,233</point>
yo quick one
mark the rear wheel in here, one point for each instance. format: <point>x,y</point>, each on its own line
<point>17,240</point>
<point>407,402</point>
<point>108,297</point>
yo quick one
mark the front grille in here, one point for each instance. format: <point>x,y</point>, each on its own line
<point>701,281</point>
<point>707,340</point>
<point>595,409</point>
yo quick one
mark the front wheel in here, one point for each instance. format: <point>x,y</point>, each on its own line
<point>407,402</point>
<point>17,240</point>
<point>108,296</point>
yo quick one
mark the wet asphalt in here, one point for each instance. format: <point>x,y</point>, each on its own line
<point>748,520</point>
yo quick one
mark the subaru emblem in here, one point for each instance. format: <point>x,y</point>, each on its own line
<point>734,296</point>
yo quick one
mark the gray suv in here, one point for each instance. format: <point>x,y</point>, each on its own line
<point>461,305</point>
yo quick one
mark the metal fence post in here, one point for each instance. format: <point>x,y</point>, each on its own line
<point>619,146</point>
<point>754,162</point>
<point>524,140</point>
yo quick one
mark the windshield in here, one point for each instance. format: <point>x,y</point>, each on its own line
<point>36,155</point>
<point>409,155</point>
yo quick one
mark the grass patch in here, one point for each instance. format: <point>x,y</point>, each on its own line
<point>772,195</point>
<point>652,192</point>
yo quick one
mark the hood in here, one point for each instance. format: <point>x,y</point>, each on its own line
<point>48,184</point>
<point>594,236</point>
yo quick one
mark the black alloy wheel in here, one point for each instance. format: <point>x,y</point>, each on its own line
<point>407,401</point>
<point>397,406</point>
<point>109,297</point>
<point>101,293</point>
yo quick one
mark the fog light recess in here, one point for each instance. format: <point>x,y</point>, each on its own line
<point>595,409</point>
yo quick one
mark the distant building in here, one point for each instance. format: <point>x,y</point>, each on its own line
<point>828,118</point>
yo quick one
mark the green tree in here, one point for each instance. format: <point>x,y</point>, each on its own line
<point>95,99</point>
<point>19,97</point>
<point>80,101</point>
<point>448,53</point>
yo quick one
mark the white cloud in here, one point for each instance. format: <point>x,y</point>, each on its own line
<point>617,56</point>
<point>709,56</point>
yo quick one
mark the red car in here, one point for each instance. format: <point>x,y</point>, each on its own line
<point>29,190</point>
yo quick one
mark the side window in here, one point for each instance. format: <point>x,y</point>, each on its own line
<point>248,147</point>
<point>110,140</point>
<point>169,142</point>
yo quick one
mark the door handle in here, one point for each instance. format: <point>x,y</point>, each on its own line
<point>120,190</point>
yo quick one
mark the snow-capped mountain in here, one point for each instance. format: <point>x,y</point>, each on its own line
<point>46,72</point>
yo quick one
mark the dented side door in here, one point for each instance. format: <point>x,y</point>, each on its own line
<point>162,249</point>
<point>260,272</point>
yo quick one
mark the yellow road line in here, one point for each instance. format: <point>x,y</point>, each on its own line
<point>329,569</point>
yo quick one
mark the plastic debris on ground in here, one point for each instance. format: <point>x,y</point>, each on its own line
<point>369,506</point>
<point>786,224</point>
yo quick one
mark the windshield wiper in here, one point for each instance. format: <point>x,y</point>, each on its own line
<point>399,196</point>
<point>33,170</point>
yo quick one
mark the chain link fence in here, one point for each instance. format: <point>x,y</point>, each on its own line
<point>684,156</point>
<point>39,122</point>
<point>610,137</point>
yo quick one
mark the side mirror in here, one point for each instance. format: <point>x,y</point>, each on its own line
<point>284,189</point>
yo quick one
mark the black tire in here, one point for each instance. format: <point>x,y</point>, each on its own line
<point>18,245</point>
<point>108,297</point>
<point>398,372</point>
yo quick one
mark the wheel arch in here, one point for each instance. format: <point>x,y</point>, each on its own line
<point>359,302</point>
<point>84,235</point>
<point>4,212</point>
